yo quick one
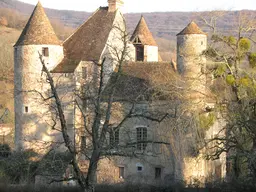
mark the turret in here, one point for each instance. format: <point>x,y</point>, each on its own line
<point>144,42</point>
<point>191,42</point>
<point>31,111</point>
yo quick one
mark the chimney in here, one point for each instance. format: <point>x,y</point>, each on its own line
<point>113,5</point>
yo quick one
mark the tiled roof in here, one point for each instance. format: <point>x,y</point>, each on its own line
<point>143,33</point>
<point>191,28</point>
<point>38,30</point>
<point>87,42</point>
<point>66,66</point>
<point>142,81</point>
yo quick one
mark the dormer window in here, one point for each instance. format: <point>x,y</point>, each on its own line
<point>137,41</point>
<point>45,51</point>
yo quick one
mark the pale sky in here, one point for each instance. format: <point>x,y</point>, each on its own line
<point>150,5</point>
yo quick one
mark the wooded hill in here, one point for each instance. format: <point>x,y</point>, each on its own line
<point>162,24</point>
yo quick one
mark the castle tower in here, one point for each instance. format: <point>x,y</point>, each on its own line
<point>113,5</point>
<point>31,111</point>
<point>144,42</point>
<point>191,42</point>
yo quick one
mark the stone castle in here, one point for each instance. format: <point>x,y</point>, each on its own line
<point>72,65</point>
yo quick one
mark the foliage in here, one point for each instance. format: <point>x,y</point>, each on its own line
<point>252,59</point>
<point>230,79</point>
<point>206,120</point>
<point>235,53</point>
<point>244,44</point>
<point>19,167</point>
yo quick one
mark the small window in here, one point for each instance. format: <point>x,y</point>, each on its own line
<point>45,51</point>
<point>83,142</point>
<point>141,138</point>
<point>121,172</point>
<point>202,42</point>
<point>158,172</point>
<point>139,168</point>
<point>84,72</point>
<point>26,109</point>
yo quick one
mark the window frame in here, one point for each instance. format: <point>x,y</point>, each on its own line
<point>158,172</point>
<point>45,51</point>
<point>85,72</point>
<point>83,142</point>
<point>121,172</point>
<point>114,138</point>
<point>141,136</point>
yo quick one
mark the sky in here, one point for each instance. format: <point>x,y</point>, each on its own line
<point>150,5</point>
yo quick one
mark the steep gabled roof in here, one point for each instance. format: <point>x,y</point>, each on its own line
<point>38,30</point>
<point>191,28</point>
<point>89,40</point>
<point>143,33</point>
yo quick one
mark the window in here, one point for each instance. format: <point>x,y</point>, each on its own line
<point>158,172</point>
<point>26,109</point>
<point>139,168</point>
<point>202,42</point>
<point>141,138</point>
<point>83,142</point>
<point>139,53</point>
<point>121,172</point>
<point>84,72</point>
<point>218,172</point>
<point>45,51</point>
<point>114,138</point>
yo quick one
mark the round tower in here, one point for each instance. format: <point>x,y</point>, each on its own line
<point>31,111</point>
<point>191,42</point>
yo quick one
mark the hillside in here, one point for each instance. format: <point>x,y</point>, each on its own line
<point>162,24</point>
<point>8,37</point>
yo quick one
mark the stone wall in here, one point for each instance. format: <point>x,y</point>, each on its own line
<point>32,115</point>
<point>150,53</point>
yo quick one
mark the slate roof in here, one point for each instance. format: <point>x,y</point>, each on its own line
<point>143,33</point>
<point>87,42</point>
<point>142,81</point>
<point>191,28</point>
<point>38,30</point>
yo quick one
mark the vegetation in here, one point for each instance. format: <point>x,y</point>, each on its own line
<point>233,56</point>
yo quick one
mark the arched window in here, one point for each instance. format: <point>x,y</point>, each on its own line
<point>141,138</point>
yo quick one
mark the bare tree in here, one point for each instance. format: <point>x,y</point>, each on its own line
<point>232,66</point>
<point>99,106</point>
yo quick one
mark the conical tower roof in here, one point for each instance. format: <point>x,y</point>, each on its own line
<point>192,28</point>
<point>143,33</point>
<point>38,30</point>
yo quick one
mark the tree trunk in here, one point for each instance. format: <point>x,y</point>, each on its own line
<point>91,178</point>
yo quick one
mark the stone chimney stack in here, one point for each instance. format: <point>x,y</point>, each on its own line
<point>113,5</point>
